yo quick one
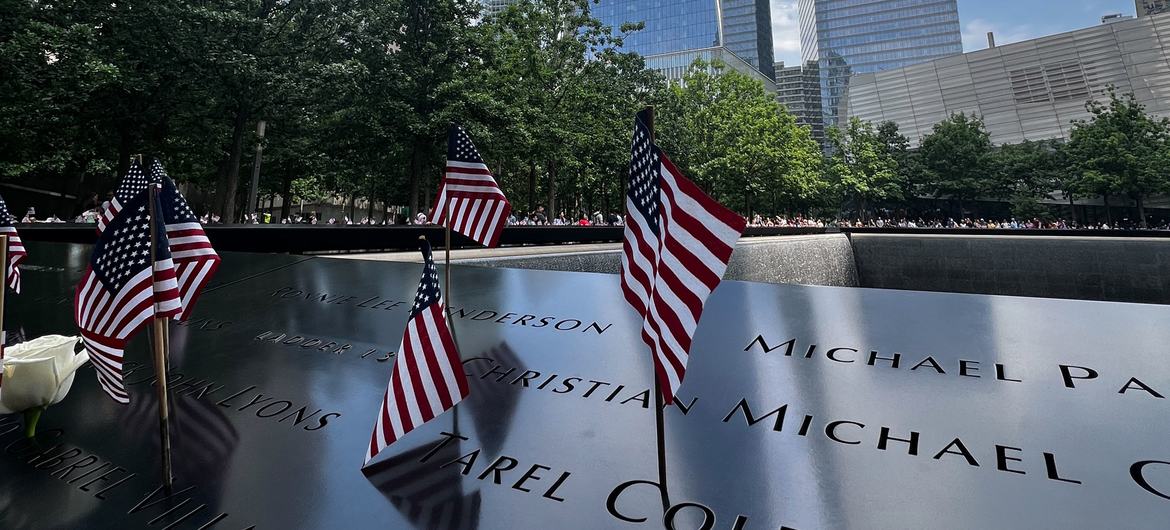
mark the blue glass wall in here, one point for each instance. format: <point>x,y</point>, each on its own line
<point>847,37</point>
<point>671,25</point>
<point>747,32</point>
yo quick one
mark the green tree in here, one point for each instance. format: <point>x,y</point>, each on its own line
<point>1026,173</point>
<point>956,157</point>
<point>1120,150</point>
<point>862,166</point>
<point>729,135</point>
<point>568,94</point>
<point>907,161</point>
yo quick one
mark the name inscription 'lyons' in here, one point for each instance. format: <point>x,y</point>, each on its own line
<point>249,401</point>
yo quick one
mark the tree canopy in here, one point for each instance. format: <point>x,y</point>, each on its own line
<point>357,96</point>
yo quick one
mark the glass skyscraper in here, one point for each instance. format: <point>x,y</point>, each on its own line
<point>847,37</point>
<point>747,32</point>
<point>738,32</point>
<point>670,26</point>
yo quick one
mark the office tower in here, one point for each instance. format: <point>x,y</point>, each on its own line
<point>848,37</point>
<point>495,6</point>
<point>736,32</point>
<point>747,32</point>
<point>799,89</point>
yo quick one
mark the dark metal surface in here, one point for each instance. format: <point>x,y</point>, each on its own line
<point>248,456</point>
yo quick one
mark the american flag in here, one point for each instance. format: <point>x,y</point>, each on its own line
<point>132,184</point>
<point>428,377</point>
<point>195,259</point>
<point>677,244</point>
<point>16,252</point>
<point>469,198</point>
<point>119,294</point>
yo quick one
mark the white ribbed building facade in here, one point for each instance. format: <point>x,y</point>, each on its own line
<point>1031,90</point>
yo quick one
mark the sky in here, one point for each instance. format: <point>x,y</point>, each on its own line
<point>1011,20</point>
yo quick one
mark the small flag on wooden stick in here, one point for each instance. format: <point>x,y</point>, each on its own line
<point>470,201</point>
<point>427,379</point>
<point>195,259</point>
<point>677,245</point>
<point>125,287</point>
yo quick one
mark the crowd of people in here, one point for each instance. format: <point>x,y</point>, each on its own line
<point>539,217</point>
<point>949,222</point>
<point>30,217</point>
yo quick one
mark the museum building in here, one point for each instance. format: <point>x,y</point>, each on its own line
<point>1030,90</point>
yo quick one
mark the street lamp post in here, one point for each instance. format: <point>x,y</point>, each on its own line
<point>253,195</point>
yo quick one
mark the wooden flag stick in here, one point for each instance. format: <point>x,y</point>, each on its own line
<point>447,265</point>
<point>447,273</point>
<point>160,345</point>
<point>447,299</point>
<point>3,291</point>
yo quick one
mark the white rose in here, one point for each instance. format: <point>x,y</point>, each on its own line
<point>39,373</point>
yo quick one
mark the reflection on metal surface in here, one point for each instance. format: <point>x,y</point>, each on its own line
<point>202,436</point>
<point>804,407</point>
<point>425,488</point>
<point>493,405</point>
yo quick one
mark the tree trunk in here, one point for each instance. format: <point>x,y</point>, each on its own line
<point>285,198</point>
<point>416,167</point>
<point>1108,213</point>
<point>862,207</point>
<point>605,209</point>
<point>1072,208</point>
<point>531,187</point>
<point>125,144</point>
<point>229,174</point>
<point>1141,208</point>
<point>552,188</point>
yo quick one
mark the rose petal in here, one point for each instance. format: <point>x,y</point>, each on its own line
<point>37,346</point>
<point>68,362</point>
<point>29,384</point>
<point>63,390</point>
